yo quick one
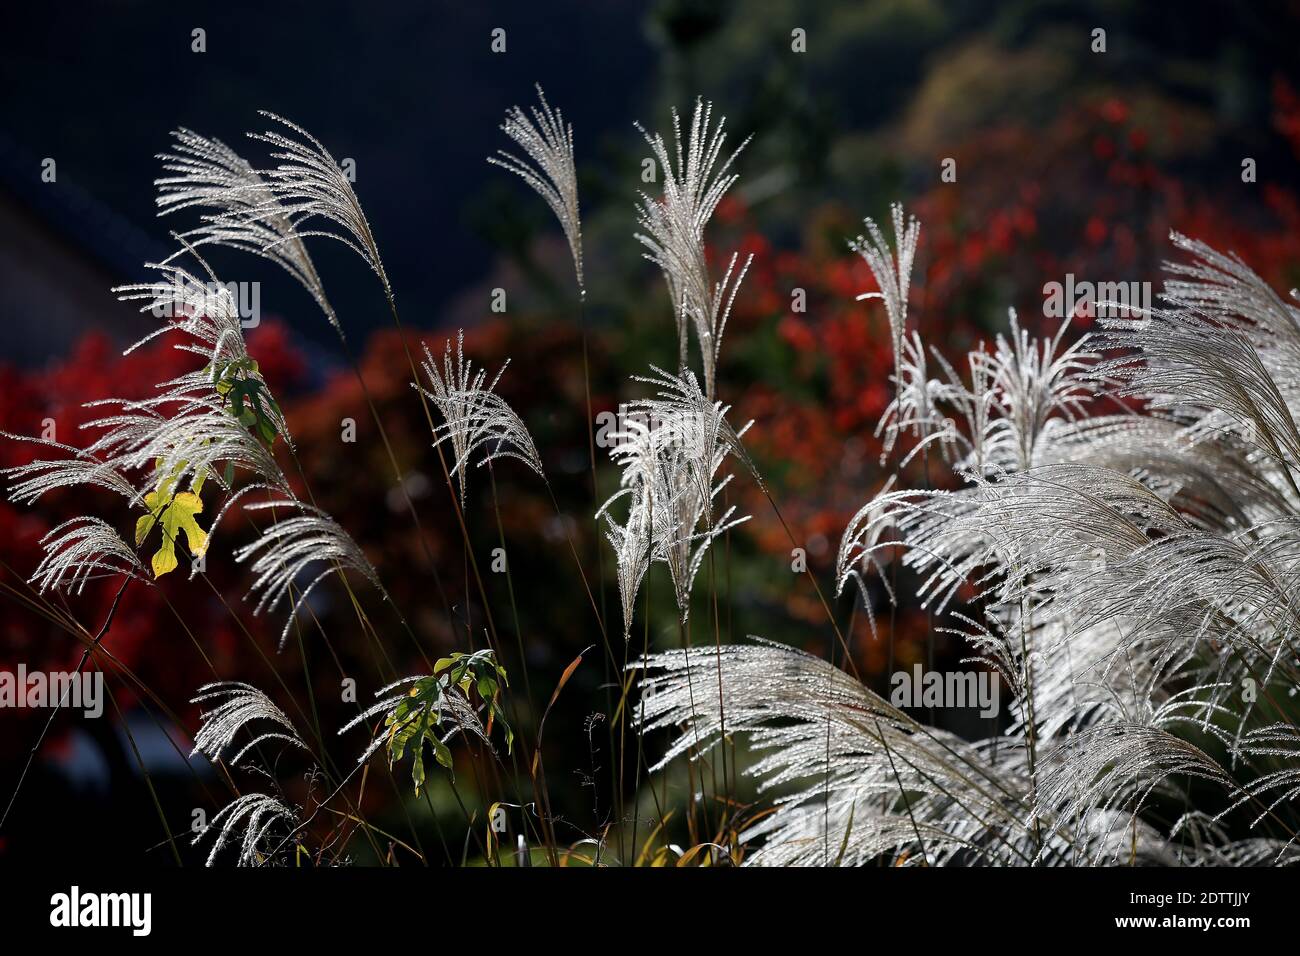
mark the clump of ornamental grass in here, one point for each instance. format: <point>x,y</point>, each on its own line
<point>1119,549</point>
<point>1118,543</point>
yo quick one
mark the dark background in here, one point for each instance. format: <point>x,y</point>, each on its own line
<point>413,94</point>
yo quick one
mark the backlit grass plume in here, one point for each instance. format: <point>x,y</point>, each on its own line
<point>547,166</point>
<point>237,705</point>
<point>308,187</point>
<point>253,822</point>
<point>244,211</point>
<point>696,176</point>
<point>670,453</point>
<point>477,422</point>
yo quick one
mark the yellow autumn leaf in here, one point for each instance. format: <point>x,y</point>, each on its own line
<point>176,515</point>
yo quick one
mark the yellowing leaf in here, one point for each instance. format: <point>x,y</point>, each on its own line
<point>176,515</point>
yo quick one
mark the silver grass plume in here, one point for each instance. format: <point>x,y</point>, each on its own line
<point>887,786</point>
<point>29,482</point>
<point>670,516</point>
<point>1041,388</point>
<point>283,556</point>
<point>477,422</point>
<point>307,186</point>
<point>890,787</point>
<point>712,324</point>
<point>670,453</point>
<point>633,546</point>
<point>547,166</point>
<point>208,174</point>
<point>697,421</point>
<point>1025,406</point>
<point>249,820</point>
<point>892,268</point>
<point>81,547</point>
<point>696,176</point>
<point>183,438</point>
<point>236,706</point>
<point>914,408</point>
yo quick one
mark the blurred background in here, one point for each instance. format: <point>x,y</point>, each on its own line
<point>1068,161</point>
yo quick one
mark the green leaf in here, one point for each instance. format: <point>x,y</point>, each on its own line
<point>251,402</point>
<point>417,718</point>
<point>442,752</point>
<point>417,770</point>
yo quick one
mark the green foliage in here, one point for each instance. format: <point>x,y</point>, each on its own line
<point>481,671</point>
<point>251,402</point>
<point>419,716</point>
<point>415,719</point>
